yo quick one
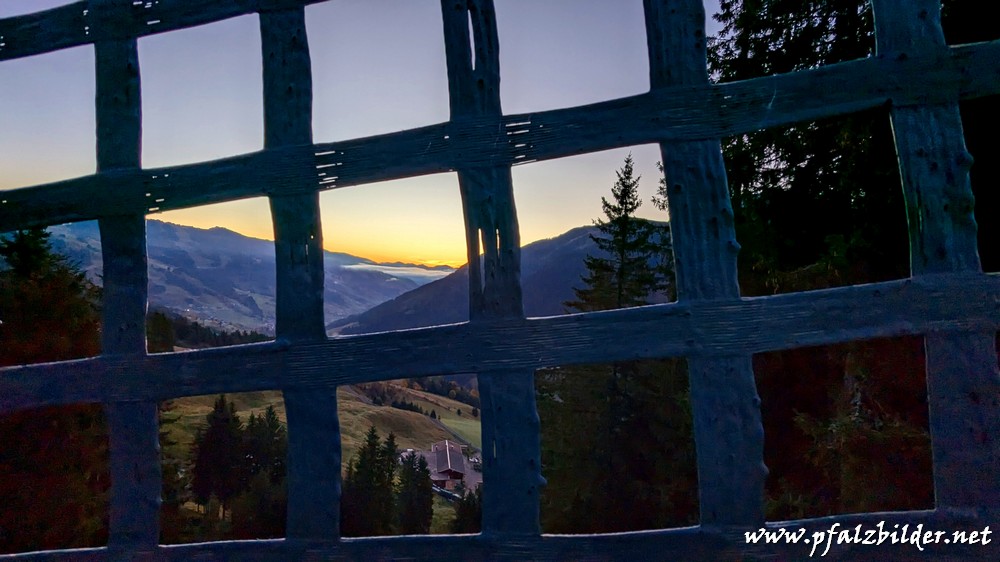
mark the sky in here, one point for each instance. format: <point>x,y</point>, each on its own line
<point>378,66</point>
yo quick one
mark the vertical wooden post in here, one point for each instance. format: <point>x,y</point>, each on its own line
<point>510,431</point>
<point>963,382</point>
<point>136,479</point>
<point>313,426</point>
<point>729,435</point>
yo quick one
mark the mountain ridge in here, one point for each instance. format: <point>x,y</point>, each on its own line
<point>550,269</point>
<point>227,279</point>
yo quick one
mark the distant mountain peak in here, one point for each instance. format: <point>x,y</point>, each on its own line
<point>550,269</point>
<point>227,279</point>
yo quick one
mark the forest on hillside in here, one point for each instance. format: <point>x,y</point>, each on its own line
<point>815,205</point>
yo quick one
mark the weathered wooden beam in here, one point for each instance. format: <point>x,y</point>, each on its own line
<point>313,471</point>
<point>133,426</point>
<point>689,543</point>
<point>85,22</point>
<point>510,428</point>
<point>699,329</point>
<point>963,380</point>
<point>728,432</point>
<point>679,113</point>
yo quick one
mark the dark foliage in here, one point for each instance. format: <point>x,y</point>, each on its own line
<point>443,386</point>
<point>469,512</point>
<point>367,504</point>
<point>242,467</point>
<point>414,499</point>
<point>53,461</point>
<point>634,468</point>
<point>818,205</point>
<point>814,195</point>
<point>219,469</point>
<point>406,405</point>
<point>166,330</point>
<point>384,494</point>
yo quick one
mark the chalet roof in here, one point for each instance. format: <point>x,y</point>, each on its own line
<point>449,457</point>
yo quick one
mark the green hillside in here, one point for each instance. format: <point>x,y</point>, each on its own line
<point>356,412</point>
<point>465,426</point>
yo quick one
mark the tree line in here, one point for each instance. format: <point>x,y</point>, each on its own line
<point>54,461</point>
<point>387,492</point>
<point>238,473</point>
<point>165,330</point>
<point>815,205</point>
<point>443,386</point>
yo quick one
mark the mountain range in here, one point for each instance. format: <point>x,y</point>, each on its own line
<point>550,269</point>
<point>225,279</point>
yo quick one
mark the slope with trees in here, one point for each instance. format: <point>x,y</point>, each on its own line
<point>635,470</point>
<point>816,205</point>
<point>53,461</point>
<point>384,494</point>
<point>237,476</point>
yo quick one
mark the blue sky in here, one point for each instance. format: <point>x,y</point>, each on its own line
<point>378,66</point>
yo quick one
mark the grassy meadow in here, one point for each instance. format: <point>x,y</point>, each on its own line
<point>356,413</point>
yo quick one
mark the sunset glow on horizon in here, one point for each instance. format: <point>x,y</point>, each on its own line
<point>378,67</point>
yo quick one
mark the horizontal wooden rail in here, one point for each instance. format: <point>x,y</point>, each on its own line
<point>86,22</point>
<point>670,114</point>
<point>724,327</point>
<point>689,543</point>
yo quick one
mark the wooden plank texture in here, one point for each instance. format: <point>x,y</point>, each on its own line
<point>690,543</point>
<point>701,329</point>
<point>963,379</point>
<point>948,299</point>
<point>91,21</point>
<point>133,426</point>
<point>728,432</point>
<point>509,420</point>
<point>669,114</point>
<point>313,479</point>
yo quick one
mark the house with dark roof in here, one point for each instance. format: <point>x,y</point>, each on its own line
<point>449,464</point>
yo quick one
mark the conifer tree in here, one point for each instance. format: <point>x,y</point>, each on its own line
<point>367,501</point>
<point>415,499</point>
<point>53,461</point>
<point>468,511</point>
<point>623,272</point>
<point>819,204</point>
<point>218,456</point>
<point>635,469</point>
<point>265,445</point>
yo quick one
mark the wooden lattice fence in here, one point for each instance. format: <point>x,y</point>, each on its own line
<point>947,299</point>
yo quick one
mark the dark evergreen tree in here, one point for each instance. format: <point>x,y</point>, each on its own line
<point>623,273</point>
<point>49,311</point>
<point>265,443</point>
<point>815,203</point>
<point>260,511</point>
<point>367,499</point>
<point>218,468</point>
<point>415,498</point>
<point>635,469</point>
<point>468,512</point>
<point>160,335</point>
<point>53,461</point>
<point>176,478</point>
<point>819,204</point>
